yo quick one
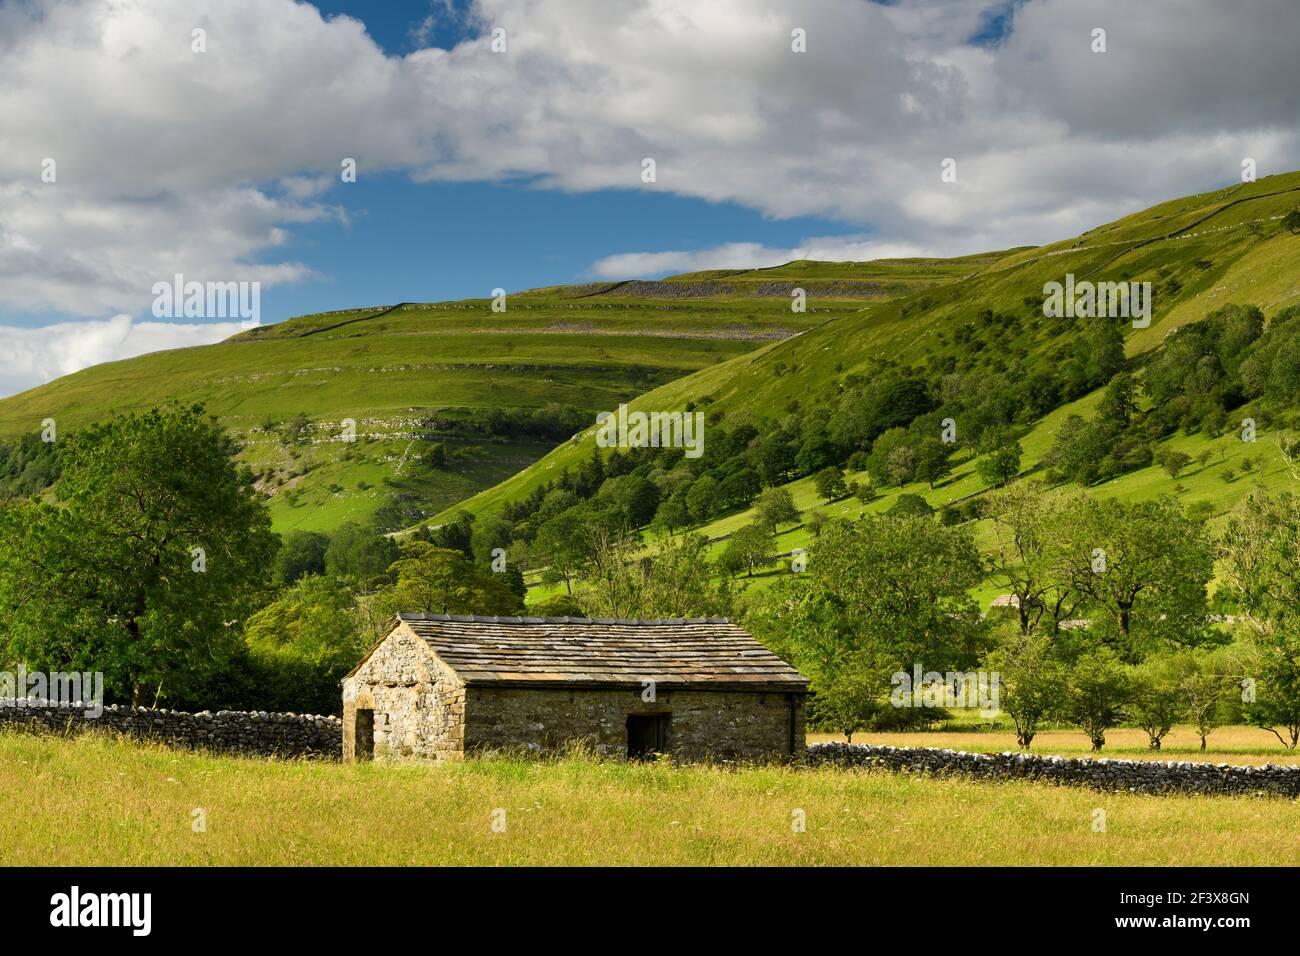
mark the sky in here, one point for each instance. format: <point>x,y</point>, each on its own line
<point>133,149</point>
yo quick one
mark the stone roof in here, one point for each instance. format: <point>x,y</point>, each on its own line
<point>700,653</point>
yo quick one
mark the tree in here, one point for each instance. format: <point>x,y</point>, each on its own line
<point>749,547</point>
<point>1261,550</point>
<point>932,461</point>
<point>816,521</point>
<point>737,490</point>
<point>302,644</point>
<point>1175,461</point>
<point>900,465</point>
<point>456,534</point>
<point>1291,222</point>
<point>814,454</point>
<point>158,552</point>
<point>490,533</point>
<point>1143,566</point>
<point>895,589</point>
<point>1001,461</point>
<point>830,483</point>
<point>1031,683</point>
<point>567,543</point>
<point>910,504</point>
<point>301,553</point>
<point>633,497</point>
<point>673,581</point>
<point>591,474</point>
<point>673,514</point>
<point>1118,403</point>
<point>775,456</point>
<point>848,701</point>
<point>433,580</point>
<point>1205,684</point>
<point>1078,448</point>
<point>1271,696</point>
<point>1022,554</point>
<point>776,507</point>
<point>1157,699</point>
<point>1096,693</point>
<point>358,553</point>
<point>702,499</point>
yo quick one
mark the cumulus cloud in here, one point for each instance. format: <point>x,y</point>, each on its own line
<point>40,354</point>
<point>748,255</point>
<point>203,163</point>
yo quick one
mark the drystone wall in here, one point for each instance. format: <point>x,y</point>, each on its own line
<point>255,733</point>
<point>1137,776</point>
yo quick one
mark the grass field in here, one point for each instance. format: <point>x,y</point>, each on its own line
<point>133,804</point>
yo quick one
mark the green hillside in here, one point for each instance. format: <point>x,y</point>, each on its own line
<point>498,389</point>
<point>1199,253</point>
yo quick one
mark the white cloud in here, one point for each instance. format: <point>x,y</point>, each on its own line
<point>45,353</point>
<point>173,161</point>
<point>748,255</point>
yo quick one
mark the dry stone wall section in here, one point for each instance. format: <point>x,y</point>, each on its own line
<point>254,733</point>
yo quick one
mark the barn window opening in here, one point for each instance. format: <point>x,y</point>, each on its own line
<point>647,735</point>
<point>365,734</point>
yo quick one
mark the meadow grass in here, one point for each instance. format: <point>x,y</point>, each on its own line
<point>99,800</point>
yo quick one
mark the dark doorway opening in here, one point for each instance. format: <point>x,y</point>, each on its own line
<point>364,739</point>
<point>647,734</point>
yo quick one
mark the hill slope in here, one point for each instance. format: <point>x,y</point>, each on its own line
<point>418,378</point>
<point>1199,252</point>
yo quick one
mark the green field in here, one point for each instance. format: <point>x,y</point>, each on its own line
<point>133,804</point>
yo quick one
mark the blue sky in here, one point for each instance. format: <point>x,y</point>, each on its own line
<point>430,241</point>
<point>482,168</point>
<point>411,241</point>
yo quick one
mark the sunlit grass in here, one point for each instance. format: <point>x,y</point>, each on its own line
<point>99,800</point>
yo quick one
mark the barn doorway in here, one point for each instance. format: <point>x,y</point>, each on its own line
<point>647,735</point>
<point>364,734</point>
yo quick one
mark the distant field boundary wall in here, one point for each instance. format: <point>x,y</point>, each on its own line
<point>252,733</point>
<point>1119,776</point>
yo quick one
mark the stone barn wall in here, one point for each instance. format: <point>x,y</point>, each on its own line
<point>722,724</point>
<point>419,705</point>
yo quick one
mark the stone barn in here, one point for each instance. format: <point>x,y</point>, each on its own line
<point>441,686</point>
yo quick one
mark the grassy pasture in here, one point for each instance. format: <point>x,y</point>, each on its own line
<point>133,804</point>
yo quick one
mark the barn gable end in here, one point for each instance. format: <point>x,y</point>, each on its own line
<point>416,702</point>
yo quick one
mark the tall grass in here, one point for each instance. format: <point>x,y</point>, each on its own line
<point>99,800</point>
